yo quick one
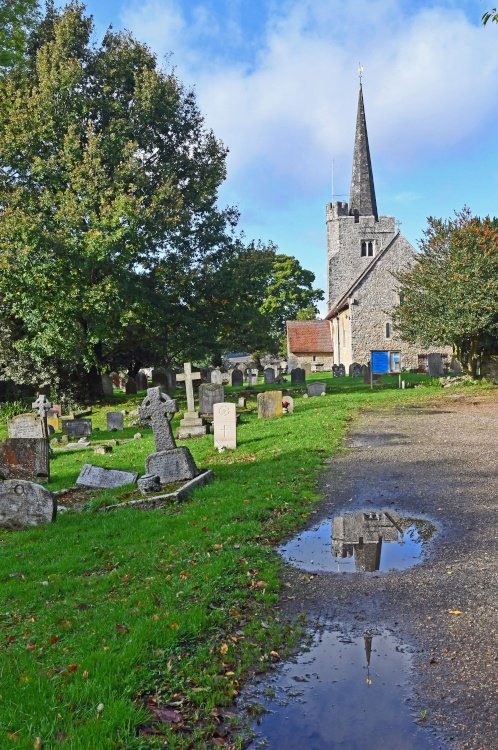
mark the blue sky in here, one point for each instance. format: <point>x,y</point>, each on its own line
<point>277,82</point>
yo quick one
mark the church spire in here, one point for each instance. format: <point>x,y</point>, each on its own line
<point>362,200</point>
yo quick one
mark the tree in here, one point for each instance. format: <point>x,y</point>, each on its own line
<point>489,15</point>
<point>451,295</point>
<point>16,18</point>
<point>108,190</point>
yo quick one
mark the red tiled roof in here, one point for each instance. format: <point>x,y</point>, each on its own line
<point>309,336</point>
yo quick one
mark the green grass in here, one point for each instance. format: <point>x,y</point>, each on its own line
<point>101,610</point>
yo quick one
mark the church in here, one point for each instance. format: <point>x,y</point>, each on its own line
<point>364,253</point>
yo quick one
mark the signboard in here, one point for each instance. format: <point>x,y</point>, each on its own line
<point>384,363</point>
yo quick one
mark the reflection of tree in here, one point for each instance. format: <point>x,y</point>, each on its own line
<point>418,528</point>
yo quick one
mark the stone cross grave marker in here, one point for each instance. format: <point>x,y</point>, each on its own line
<point>225,425</point>
<point>159,408</point>
<point>191,424</point>
<point>42,406</point>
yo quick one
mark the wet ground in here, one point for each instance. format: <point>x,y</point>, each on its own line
<point>440,465</point>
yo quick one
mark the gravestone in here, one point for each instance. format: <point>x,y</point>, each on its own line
<point>242,402</point>
<point>288,404</point>
<point>160,378</point>
<point>365,373</point>
<point>269,404</point>
<point>335,369</point>
<point>115,420</point>
<point>141,381</point>
<point>269,375</point>
<point>216,377</point>
<point>191,425</point>
<point>107,385</point>
<point>355,370</point>
<point>115,379</point>
<point>457,368</point>
<point>237,377</point>
<point>252,377</point>
<point>24,458</point>
<point>53,420</point>
<point>316,388</point>
<point>341,371</point>
<point>96,476</point>
<point>26,426</point>
<point>171,380</point>
<point>225,425</point>
<point>169,463</point>
<point>76,427</point>
<point>307,368</point>
<point>42,406</point>
<point>130,385</point>
<point>24,504</point>
<point>298,375</point>
<point>435,365</point>
<point>210,394</point>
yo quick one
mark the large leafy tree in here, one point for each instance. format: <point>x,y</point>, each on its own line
<point>451,295</point>
<point>108,189</point>
<point>16,19</point>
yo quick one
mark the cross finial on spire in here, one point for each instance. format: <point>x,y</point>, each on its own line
<point>360,71</point>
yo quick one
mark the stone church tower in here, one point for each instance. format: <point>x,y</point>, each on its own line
<point>364,250</point>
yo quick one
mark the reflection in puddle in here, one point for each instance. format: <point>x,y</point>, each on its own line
<point>361,542</point>
<point>344,694</point>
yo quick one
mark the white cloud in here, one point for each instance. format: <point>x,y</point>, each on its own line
<point>430,83</point>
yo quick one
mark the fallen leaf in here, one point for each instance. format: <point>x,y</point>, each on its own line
<point>72,667</point>
<point>37,744</point>
<point>166,715</point>
<point>53,639</point>
<point>224,648</point>
<point>122,628</point>
<point>455,612</point>
<point>174,625</point>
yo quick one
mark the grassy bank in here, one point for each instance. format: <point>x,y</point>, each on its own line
<point>129,629</point>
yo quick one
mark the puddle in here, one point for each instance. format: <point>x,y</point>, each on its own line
<point>363,542</point>
<point>343,694</point>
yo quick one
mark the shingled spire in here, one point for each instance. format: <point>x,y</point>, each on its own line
<point>362,200</point>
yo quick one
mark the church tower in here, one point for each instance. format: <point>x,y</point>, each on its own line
<point>355,231</point>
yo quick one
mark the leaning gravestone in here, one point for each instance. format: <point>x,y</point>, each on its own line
<point>355,370</point>
<point>26,426</point>
<point>169,463</point>
<point>96,476</point>
<point>269,375</point>
<point>298,375</point>
<point>225,425</point>
<point>107,385</point>
<point>210,394</point>
<point>237,377</point>
<point>270,404</point>
<point>435,365</point>
<point>24,458</point>
<point>316,389</point>
<point>76,427</point>
<point>141,381</point>
<point>24,504</point>
<point>115,420</point>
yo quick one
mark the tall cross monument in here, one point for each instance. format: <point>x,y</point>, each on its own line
<point>191,424</point>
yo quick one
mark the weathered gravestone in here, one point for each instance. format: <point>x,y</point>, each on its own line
<point>141,380</point>
<point>242,402</point>
<point>355,370</point>
<point>160,378</point>
<point>171,380</point>
<point>269,404</point>
<point>225,425</point>
<point>42,406</point>
<point>24,504</point>
<point>130,385</point>
<point>435,365</point>
<point>341,371</point>
<point>191,424</point>
<point>307,368</point>
<point>216,376</point>
<point>210,394</point>
<point>107,385</point>
<point>269,375</point>
<point>252,377</point>
<point>298,375</point>
<point>169,463</point>
<point>96,476</point>
<point>26,426</point>
<point>24,458</point>
<point>288,404</point>
<point>365,373</point>
<point>115,420</point>
<point>76,427</point>
<point>316,389</point>
<point>237,377</point>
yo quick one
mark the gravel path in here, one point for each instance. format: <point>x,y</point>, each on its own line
<point>438,462</point>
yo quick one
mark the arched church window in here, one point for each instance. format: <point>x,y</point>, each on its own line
<point>370,248</point>
<point>363,249</point>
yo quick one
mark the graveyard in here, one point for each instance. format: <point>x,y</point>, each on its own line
<point>146,624</point>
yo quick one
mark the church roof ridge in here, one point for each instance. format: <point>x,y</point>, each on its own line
<point>362,201</point>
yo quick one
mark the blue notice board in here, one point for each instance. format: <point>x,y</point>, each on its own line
<point>380,363</point>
